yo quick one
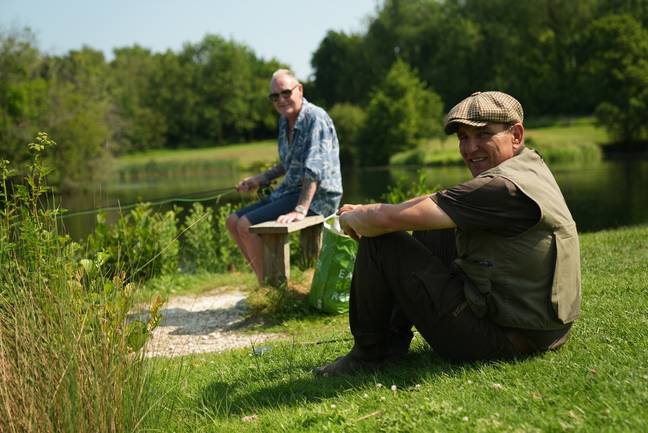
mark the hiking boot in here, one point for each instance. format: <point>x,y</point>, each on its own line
<point>348,365</point>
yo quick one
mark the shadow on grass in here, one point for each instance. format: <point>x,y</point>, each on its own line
<point>277,308</point>
<point>232,398</point>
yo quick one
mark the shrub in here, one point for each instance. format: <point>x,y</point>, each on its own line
<point>401,112</point>
<point>616,49</point>
<point>206,244</point>
<point>142,243</point>
<point>228,256</point>
<point>198,245</point>
<point>349,120</point>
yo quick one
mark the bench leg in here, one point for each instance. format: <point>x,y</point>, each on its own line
<point>276,259</point>
<point>310,239</point>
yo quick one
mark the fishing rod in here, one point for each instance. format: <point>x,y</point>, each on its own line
<point>217,196</point>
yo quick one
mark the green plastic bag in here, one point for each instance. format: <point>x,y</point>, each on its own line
<point>332,279</point>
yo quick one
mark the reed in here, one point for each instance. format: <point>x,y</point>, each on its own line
<point>70,361</point>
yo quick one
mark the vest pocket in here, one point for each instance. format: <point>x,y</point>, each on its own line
<point>566,290</point>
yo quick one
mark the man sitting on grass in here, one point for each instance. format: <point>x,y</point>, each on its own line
<point>492,269</point>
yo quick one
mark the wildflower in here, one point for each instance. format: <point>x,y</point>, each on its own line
<point>333,406</point>
<point>497,386</point>
<point>393,388</point>
<point>464,418</point>
<point>379,385</point>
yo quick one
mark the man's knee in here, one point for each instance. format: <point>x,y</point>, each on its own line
<point>231,223</point>
<point>243,226</point>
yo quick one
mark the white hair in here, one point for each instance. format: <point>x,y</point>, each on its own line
<point>280,72</point>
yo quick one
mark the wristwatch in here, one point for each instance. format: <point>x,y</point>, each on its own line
<point>301,209</point>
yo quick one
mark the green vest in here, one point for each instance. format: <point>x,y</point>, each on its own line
<point>531,280</point>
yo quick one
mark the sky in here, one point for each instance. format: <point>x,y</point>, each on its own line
<point>289,30</point>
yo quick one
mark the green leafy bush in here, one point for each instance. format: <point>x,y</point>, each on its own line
<point>142,243</point>
<point>198,244</point>
<point>228,256</point>
<point>616,65</point>
<point>401,112</point>
<point>145,244</point>
<point>349,120</point>
<point>206,245</point>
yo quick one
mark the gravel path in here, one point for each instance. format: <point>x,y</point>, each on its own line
<point>203,323</point>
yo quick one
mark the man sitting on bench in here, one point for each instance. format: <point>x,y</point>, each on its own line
<point>309,159</point>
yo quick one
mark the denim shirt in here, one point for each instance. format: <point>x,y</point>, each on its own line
<point>314,155</point>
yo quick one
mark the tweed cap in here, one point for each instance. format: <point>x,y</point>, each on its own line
<point>482,108</point>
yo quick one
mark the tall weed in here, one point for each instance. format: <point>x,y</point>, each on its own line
<point>69,359</point>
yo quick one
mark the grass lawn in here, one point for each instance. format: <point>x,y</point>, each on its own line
<point>565,140</point>
<point>578,132</point>
<point>246,154</point>
<point>598,382</point>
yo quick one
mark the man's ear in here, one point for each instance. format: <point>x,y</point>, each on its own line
<point>518,135</point>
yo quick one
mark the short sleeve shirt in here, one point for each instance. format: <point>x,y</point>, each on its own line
<point>313,154</point>
<point>490,204</point>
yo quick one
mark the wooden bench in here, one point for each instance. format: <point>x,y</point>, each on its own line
<point>276,246</point>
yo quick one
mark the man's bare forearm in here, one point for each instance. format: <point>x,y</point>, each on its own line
<point>309,187</point>
<point>419,213</point>
<point>301,209</point>
<point>272,173</point>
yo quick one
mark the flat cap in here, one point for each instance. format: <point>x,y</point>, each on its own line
<point>482,108</point>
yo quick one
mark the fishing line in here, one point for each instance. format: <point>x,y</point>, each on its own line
<point>219,193</point>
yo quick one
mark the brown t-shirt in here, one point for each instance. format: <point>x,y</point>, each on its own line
<point>497,206</point>
<point>494,205</point>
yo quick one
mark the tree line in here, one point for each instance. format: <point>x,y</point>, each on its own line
<point>558,57</point>
<point>210,93</point>
<point>386,87</point>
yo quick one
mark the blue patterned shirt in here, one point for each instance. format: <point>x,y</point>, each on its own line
<point>313,154</point>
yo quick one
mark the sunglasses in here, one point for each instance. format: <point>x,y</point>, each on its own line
<point>274,97</point>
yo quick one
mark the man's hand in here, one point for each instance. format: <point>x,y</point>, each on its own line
<point>290,217</point>
<point>248,184</point>
<point>346,220</point>
<point>347,208</point>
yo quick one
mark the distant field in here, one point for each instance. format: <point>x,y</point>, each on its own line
<point>577,132</point>
<point>575,140</point>
<point>245,154</point>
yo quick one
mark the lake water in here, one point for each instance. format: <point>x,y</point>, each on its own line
<point>601,195</point>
